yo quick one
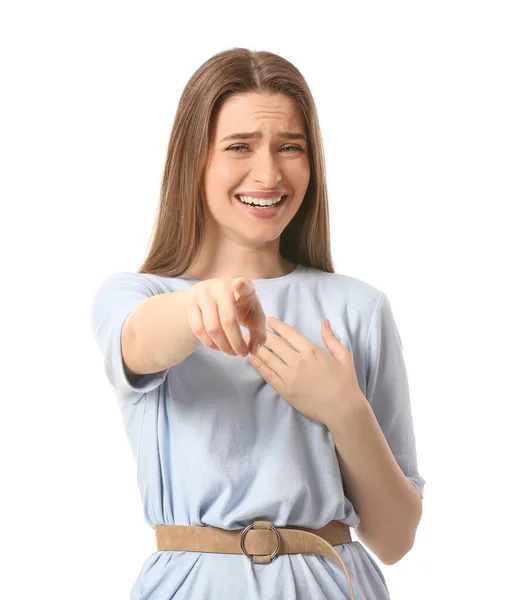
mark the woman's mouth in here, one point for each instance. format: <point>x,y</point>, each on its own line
<point>263,211</point>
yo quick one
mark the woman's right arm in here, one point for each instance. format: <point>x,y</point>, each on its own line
<point>156,335</point>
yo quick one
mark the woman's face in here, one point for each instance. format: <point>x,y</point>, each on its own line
<point>251,165</point>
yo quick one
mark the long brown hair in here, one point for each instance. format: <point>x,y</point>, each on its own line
<point>177,233</point>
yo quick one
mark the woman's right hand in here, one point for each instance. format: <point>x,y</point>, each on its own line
<point>217,307</point>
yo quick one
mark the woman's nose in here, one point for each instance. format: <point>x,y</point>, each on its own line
<point>267,168</point>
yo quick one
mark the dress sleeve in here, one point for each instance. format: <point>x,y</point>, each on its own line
<point>112,302</point>
<point>388,391</point>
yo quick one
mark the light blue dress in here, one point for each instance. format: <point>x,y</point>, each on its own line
<point>216,445</point>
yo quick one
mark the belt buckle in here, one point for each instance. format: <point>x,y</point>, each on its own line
<point>250,556</point>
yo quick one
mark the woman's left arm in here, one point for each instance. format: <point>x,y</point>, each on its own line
<point>373,433</point>
<point>388,504</point>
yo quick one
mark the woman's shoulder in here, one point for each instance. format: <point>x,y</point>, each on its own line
<point>342,285</point>
<point>155,284</point>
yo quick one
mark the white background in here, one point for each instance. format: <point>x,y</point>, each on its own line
<point>415,102</point>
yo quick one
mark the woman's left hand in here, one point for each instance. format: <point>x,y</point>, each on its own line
<point>321,386</point>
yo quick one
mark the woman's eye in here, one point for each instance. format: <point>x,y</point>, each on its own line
<point>298,148</point>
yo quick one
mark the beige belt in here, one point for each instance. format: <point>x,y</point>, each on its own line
<point>260,541</point>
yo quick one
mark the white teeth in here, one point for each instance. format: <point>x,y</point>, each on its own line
<point>260,201</point>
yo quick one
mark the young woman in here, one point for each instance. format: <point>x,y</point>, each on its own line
<point>253,470</point>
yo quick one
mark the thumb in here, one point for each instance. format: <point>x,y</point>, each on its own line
<point>337,350</point>
<point>256,324</point>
